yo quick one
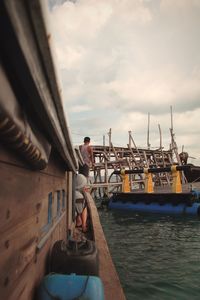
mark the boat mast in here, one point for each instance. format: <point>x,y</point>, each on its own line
<point>148,143</point>
<point>171,113</point>
<point>160,134</point>
<point>174,146</point>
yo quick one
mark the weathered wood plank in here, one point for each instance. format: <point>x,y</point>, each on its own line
<point>26,194</point>
<point>24,286</point>
<point>113,289</point>
<point>23,213</point>
<point>24,59</point>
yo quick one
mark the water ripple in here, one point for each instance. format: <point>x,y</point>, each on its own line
<point>157,257</point>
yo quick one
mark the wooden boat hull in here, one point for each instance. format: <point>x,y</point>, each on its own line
<point>38,164</point>
<point>192,174</point>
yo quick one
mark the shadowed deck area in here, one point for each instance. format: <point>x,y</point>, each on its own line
<point>108,274</point>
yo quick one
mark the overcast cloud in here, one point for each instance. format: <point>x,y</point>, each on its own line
<point>120,60</point>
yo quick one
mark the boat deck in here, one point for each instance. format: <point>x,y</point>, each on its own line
<point>187,187</point>
<point>108,274</point>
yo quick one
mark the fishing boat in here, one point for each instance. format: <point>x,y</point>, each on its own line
<point>192,174</point>
<point>38,168</point>
<point>161,200</point>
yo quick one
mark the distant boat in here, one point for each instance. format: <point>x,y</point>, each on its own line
<point>192,174</point>
<point>163,199</point>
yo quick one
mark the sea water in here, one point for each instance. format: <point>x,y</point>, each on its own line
<point>156,256</point>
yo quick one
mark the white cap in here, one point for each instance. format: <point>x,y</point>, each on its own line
<point>78,195</point>
<point>81,181</point>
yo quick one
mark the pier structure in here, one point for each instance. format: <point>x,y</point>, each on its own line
<point>109,158</point>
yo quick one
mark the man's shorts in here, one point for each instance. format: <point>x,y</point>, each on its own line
<point>84,170</point>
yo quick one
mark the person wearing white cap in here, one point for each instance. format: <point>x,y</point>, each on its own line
<point>80,203</point>
<point>81,182</point>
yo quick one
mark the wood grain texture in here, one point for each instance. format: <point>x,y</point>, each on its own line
<point>23,213</point>
<point>108,274</point>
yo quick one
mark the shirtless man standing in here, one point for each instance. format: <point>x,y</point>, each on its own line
<point>87,154</point>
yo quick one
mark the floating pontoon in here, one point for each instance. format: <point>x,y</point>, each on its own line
<point>174,202</point>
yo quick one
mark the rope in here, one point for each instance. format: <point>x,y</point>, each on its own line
<point>83,291</point>
<point>195,180</point>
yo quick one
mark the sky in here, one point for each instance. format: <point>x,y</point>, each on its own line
<point>122,59</point>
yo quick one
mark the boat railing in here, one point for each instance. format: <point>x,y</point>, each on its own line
<point>175,170</point>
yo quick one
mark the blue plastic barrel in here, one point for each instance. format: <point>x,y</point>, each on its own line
<point>154,207</point>
<point>69,287</point>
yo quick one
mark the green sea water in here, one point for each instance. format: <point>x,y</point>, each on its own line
<point>157,257</point>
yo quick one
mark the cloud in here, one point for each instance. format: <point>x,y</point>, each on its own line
<point>143,92</point>
<point>171,6</point>
<point>120,60</point>
<point>80,108</point>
